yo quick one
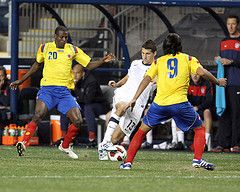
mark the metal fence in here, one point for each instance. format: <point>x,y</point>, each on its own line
<point>37,24</point>
<point>90,29</point>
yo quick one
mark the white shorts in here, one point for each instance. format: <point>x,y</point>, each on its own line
<point>130,119</point>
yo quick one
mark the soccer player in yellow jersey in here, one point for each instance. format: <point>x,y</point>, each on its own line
<point>57,57</point>
<point>173,72</point>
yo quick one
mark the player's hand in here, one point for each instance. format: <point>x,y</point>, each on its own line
<point>112,84</point>
<point>226,61</point>
<point>130,105</point>
<point>217,58</point>
<point>15,84</point>
<point>222,82</point>
<point>109,57</point>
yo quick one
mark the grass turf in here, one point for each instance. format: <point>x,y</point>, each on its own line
<point>48,169</point>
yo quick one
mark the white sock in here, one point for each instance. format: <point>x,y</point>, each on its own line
<point>174,132</point>
<point>149,137</point>
<point>113,122</point>
<point>208,141</point>
<point>180,136</point>
<point>207,135</point>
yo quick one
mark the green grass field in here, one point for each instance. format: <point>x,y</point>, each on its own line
<point>47,169</point>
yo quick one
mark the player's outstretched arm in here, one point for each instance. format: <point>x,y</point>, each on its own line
<point>222,82</point>
<point>119,83</point>
<point>94,64</point>
<point>32,70</point>
<point>144,83</point>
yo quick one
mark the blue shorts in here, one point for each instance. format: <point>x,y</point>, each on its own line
<point>57,96</point>
<point>183,114</point>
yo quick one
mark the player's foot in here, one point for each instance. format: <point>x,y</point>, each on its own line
<point>146,145</point>
<point>20,148</point>
<point>102,151</point>
<point>201,163</point>
<point>68,151</point>
<point>126,166</point>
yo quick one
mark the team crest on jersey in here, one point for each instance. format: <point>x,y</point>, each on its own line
<point>69,56</point>
<point>237,45</point>
<point>202,90</point>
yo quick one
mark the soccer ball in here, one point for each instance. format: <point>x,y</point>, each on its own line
<point>117,153</point>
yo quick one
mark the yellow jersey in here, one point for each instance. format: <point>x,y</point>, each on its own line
<point>57,69</point>
<point>173,76</point>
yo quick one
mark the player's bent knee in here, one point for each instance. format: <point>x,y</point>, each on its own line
<point>207,114</point>
<point>78,122</point>
<point>38,116</point>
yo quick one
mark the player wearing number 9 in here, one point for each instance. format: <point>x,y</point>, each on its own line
<point>173,72</point>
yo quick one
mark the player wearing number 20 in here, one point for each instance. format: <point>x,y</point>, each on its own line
<point>173,72</point>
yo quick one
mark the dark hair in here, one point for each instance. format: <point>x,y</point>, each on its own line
<point>172,44</point>
<point>60,28</point>
<point>4,71</point>
<point>149,44</point>
<point>234,17</point>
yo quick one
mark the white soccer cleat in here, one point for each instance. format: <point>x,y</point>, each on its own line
<point>102,151</point>
<point>103,155</point>
<point>68,151</point>
<point>20,148</point>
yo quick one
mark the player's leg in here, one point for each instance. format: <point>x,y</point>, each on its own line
<point>75,117</point>
<point>117,136</point>
<point>117,113</point>
<point>67,105</point>
<point>40,111</point>
<point>125,126</point>
<point>199,145</point>
<point>187,118</point>
<point>207,116</point>
<point>134,146</point>
<point>76,120</point>
<point>155,115</point>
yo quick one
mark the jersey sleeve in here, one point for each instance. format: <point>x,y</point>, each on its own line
<point>40,55</point>
<point>81,57</point>
<point>153,70</point>
<point>194,64</point>
<point>130,68</point>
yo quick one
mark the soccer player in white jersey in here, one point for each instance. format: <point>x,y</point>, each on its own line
<point>123,123</point>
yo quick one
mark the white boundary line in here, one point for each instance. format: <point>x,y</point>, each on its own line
<point>116,176</point>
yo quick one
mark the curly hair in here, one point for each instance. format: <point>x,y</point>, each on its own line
<point>60,28</point>
<point>172,44</point>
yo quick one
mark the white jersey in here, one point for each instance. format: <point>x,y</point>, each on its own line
<point>126,92</point>
<point>136,74</point>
